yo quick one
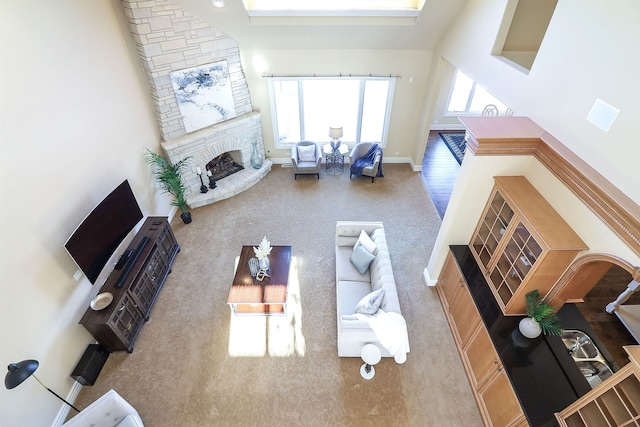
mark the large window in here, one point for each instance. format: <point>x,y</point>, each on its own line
<point>304,108</point>
<point>469,97</point>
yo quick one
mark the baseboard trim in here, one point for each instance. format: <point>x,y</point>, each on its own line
<point>428,281</point>
<point>63,413</point>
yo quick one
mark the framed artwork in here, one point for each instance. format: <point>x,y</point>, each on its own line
<point>204,95</point>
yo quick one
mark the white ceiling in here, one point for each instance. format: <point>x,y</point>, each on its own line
<point>422,33</point>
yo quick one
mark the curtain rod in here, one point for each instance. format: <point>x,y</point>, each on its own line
<point>397,76</point>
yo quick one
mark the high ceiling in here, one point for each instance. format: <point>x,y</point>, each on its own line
<point>315,31</point>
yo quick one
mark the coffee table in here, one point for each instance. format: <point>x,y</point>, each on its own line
<point>250,296</point>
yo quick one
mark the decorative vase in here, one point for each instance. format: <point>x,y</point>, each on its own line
<point>264,263</point>
<point>529,327</point>
<point>256,157</point>
<point>186,217</point>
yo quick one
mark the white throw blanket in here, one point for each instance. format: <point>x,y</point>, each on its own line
<point>391,330</point>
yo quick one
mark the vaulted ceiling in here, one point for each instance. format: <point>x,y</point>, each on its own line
<point>330,31</point>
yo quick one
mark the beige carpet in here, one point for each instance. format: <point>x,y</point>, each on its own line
<point>195,364</point>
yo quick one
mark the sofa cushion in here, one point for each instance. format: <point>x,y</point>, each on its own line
<point>366,241</point>
<point>370,303</point>
<point>350,293</point>
<point>307,153</point>
<point>344,269</point>
<point>361,259</point>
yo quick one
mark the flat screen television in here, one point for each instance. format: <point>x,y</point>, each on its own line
<point>101,232</point>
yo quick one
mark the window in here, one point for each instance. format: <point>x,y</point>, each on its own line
<point>468,97</point>
<point>303,108</point>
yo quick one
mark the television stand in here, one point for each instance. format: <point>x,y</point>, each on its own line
<point>135,287</point>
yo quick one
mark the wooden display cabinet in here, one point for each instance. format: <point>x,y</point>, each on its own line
<point>491,387</point>
<point>135,287</point>
<point>615,402</point>
<point>521,243</point>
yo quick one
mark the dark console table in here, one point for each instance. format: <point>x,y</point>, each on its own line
<point>135,285</point>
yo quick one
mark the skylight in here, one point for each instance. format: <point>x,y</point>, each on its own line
<point>333,7</point>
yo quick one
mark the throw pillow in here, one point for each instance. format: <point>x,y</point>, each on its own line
<point>366,241</point>
<point>361,259</point>
<point>307,153</point>
<point>370,303</point>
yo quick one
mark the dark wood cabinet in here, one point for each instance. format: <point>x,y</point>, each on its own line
<point>135,287</point>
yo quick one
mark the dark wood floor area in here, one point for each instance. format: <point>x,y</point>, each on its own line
<point>440,171</point>
<point>609,329</point>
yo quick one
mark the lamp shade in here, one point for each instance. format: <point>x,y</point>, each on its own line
<point>18,372</point>
<point>335,133</point>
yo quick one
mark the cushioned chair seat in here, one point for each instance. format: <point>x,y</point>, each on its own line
<point>359,151</point>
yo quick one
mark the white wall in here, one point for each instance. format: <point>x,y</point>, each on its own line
<point>587,53</point>
<point>76,115</point>
<point>408,97</point>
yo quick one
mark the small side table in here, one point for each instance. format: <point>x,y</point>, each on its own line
<point>334,160</point>
<point>370,355</point>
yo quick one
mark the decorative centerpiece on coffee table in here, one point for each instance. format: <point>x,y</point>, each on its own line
<point>262,253</point>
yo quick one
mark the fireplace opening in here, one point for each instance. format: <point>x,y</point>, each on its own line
<point>225,164</point>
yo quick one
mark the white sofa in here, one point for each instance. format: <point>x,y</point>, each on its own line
<point>354,331</point>
<point>110,410</point>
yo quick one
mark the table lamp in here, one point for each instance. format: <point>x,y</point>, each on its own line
<point>335,134</point>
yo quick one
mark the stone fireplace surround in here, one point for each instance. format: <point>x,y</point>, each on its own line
<point>203,145</point>
<point>169,39</point>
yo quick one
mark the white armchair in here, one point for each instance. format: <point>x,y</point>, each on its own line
<point>110,410</point>
<point>306,158</point>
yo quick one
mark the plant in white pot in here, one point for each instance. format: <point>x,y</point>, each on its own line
<point>542,317</point>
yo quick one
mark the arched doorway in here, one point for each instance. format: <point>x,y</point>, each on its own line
<point>592,282</point>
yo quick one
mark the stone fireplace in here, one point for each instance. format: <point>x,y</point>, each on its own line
<point>169,39</point>
<point>235,135</point>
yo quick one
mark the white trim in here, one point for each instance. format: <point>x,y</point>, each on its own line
<point>63,413</point>
<point>407,13</point>
<point>428,281</point>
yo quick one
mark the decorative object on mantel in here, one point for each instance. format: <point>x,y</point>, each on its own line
<point>262,253</point>
<point>541,317</point>
<point>170,179</point>
<point>335,134</point>
<point>19,372</point>
<point>256,157</point>
<point>203,188</point>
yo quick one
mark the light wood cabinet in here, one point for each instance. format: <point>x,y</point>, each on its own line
<point>521,243</point>
<point>499,401</point>
<point>459,305</point>
<point>491,387</point>
<point>616,402</point>
<point>480,356</point>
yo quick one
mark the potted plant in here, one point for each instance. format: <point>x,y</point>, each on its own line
<point>542,317</point>
<point>170,178</point>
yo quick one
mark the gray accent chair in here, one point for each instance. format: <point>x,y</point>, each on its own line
<point>306,167</point>
<point>359,151</point>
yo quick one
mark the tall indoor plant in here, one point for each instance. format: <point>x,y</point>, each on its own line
<point>170,178</point>
<point>542,317</point>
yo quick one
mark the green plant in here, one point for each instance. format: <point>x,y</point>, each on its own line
<point>542,313</point>
<point>170,177</point>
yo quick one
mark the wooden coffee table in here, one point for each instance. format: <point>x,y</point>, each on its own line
<point>250,296</point>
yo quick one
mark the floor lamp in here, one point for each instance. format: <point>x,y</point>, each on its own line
<point>18,372</point>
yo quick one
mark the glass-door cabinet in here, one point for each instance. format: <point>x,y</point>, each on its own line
<point>521,243</point>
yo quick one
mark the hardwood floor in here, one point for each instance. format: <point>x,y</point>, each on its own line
<point>609,329</point>
<point>440,171</point>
